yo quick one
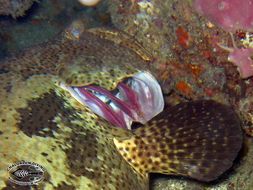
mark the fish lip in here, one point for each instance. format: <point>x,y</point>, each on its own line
<point>138,98</point>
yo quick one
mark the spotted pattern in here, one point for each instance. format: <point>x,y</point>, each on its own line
<point>42,123</point>
<point>65,186</point>
<point>40,116</point>
<point>196,139</point>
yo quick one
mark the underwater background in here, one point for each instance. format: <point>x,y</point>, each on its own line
<point>190,52</point>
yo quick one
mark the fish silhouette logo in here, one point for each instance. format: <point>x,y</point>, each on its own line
<point>26,173</point>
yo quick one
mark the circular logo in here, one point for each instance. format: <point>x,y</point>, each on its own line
<point>26,173</point>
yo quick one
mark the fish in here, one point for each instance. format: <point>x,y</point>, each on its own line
<point>69,105</point>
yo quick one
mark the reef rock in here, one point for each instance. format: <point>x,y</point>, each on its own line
<point>15,8</point>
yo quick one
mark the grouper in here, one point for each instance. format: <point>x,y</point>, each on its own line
<point>69,105</point>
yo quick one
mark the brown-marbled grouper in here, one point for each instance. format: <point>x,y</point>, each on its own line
<point>68,105</point>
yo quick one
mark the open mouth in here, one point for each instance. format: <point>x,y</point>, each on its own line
<point>138,98</point>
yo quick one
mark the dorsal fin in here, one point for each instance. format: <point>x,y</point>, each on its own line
<point>198,139</point>
<point>124,39</point>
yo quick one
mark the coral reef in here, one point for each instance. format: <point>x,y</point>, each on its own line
<point>172,32</point>
<point>15,8</point>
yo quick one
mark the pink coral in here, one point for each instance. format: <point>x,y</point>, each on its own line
<point>230,15</point>
<point>242,58</point>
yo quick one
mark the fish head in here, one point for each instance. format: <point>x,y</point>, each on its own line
<point>116,86</point>
<point>43,121</point>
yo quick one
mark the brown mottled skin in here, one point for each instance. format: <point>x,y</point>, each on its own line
<point>15,8</point>
<point>42,123</point>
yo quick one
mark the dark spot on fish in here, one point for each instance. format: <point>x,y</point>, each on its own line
<point>38,117</point>
<point>44,154</point>
<point>7,87</point>
<point>162,145</point>
<point>156,154</point>
<point>148,154</point>
<point>83,151</point>
<point>89,185</point>
<point>173,165</point>
<point>65,186</point>
<point>1,132</point>
<point>163,160</point>
<point>140,154</point>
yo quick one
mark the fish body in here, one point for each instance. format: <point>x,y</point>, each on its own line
<point>41,119</point>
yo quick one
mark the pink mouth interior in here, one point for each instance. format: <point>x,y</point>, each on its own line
<point>140,100</point>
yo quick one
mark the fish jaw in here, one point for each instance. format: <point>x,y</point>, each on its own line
<point>138,99</point>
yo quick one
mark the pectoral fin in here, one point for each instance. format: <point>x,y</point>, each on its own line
<point>198,139</point>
